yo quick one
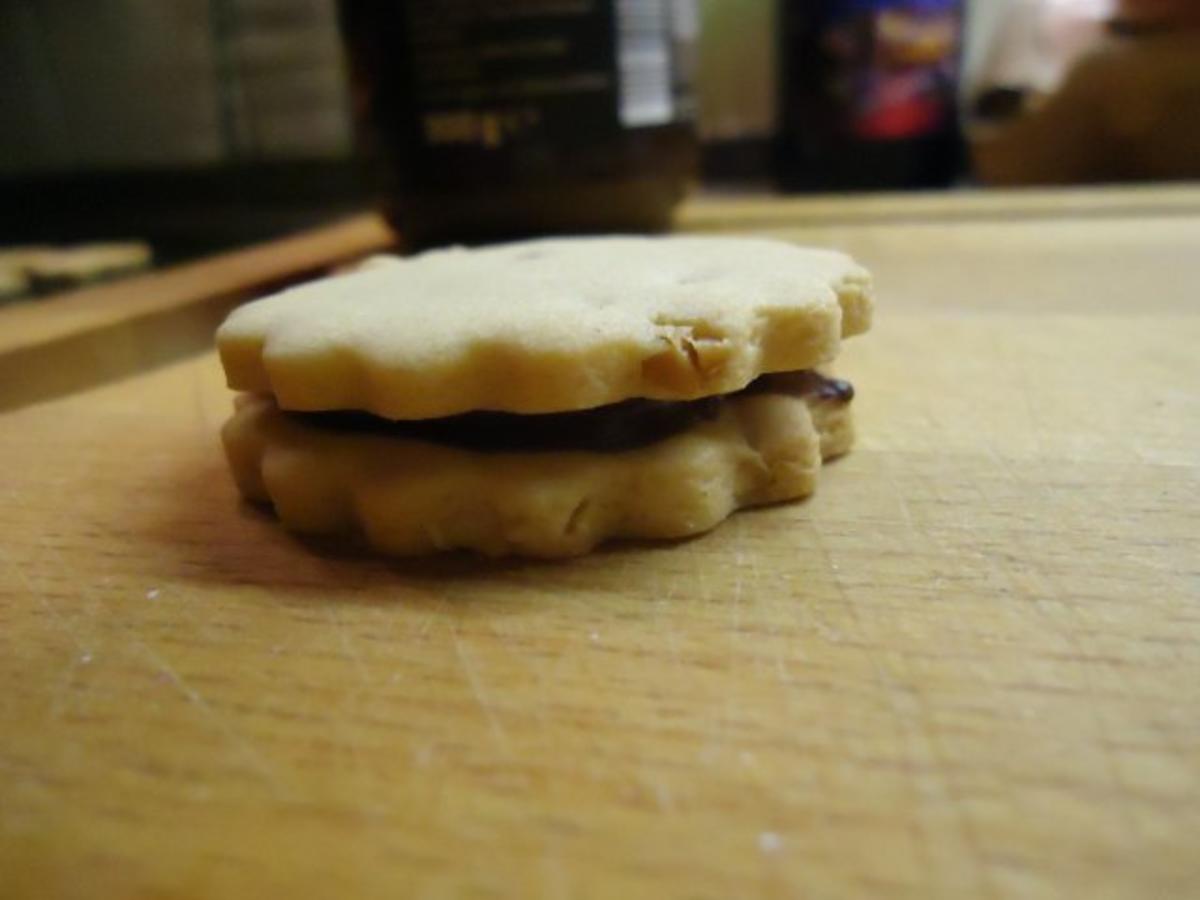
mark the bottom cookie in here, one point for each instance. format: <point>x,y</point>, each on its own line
<point>411,497</point>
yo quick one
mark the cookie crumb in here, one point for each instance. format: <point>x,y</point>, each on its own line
<point>769,842</point>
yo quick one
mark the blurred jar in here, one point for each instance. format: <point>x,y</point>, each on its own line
<point>868,93</point>
<point>507,118</point>
<point>1084,91</point>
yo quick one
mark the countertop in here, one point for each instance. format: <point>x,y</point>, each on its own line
<point>968,666</point>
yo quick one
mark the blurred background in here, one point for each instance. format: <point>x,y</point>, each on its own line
<point>187,126</point>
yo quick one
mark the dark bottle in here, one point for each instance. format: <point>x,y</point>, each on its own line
<point>495,119</point>
<point>868,94</point>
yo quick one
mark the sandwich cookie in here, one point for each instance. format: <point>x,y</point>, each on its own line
<point>538,398</point>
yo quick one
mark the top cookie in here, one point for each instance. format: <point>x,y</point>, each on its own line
<point>547,325</point>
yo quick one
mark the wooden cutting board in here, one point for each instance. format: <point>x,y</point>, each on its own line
<point>969,666</point>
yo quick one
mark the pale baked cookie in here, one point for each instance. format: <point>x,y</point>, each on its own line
<point>544,326</point>
<point>542,397</point>
<point>411,496</point>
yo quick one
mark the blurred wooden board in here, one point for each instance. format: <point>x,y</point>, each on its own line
<point>49,346</point>
<point>969,666</point>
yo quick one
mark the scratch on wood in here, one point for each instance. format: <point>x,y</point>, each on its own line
<point>203,419</point>
<point>58,695</point>
<point>912,714</point>
<point>245,748</point>
<point>662,797</point>
<point>1074,639</point>
<point>555,878</point>
<point>349,650</point>
<point>45,604</point>
<point>481,699</point>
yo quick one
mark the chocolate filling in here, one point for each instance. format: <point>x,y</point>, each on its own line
<point>618,426</point>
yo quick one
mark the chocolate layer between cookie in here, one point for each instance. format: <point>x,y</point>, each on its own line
<point>627,425</point>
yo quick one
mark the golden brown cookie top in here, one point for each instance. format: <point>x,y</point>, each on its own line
<point>547,326</point>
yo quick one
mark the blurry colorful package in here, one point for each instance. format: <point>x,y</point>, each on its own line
<point>898,64</point>
<point>869,93</point>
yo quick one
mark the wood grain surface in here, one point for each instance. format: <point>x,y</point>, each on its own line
<point>969,666</point>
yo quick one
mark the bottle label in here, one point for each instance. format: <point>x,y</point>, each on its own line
<point>653,39</point>
<point>487,75</point>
